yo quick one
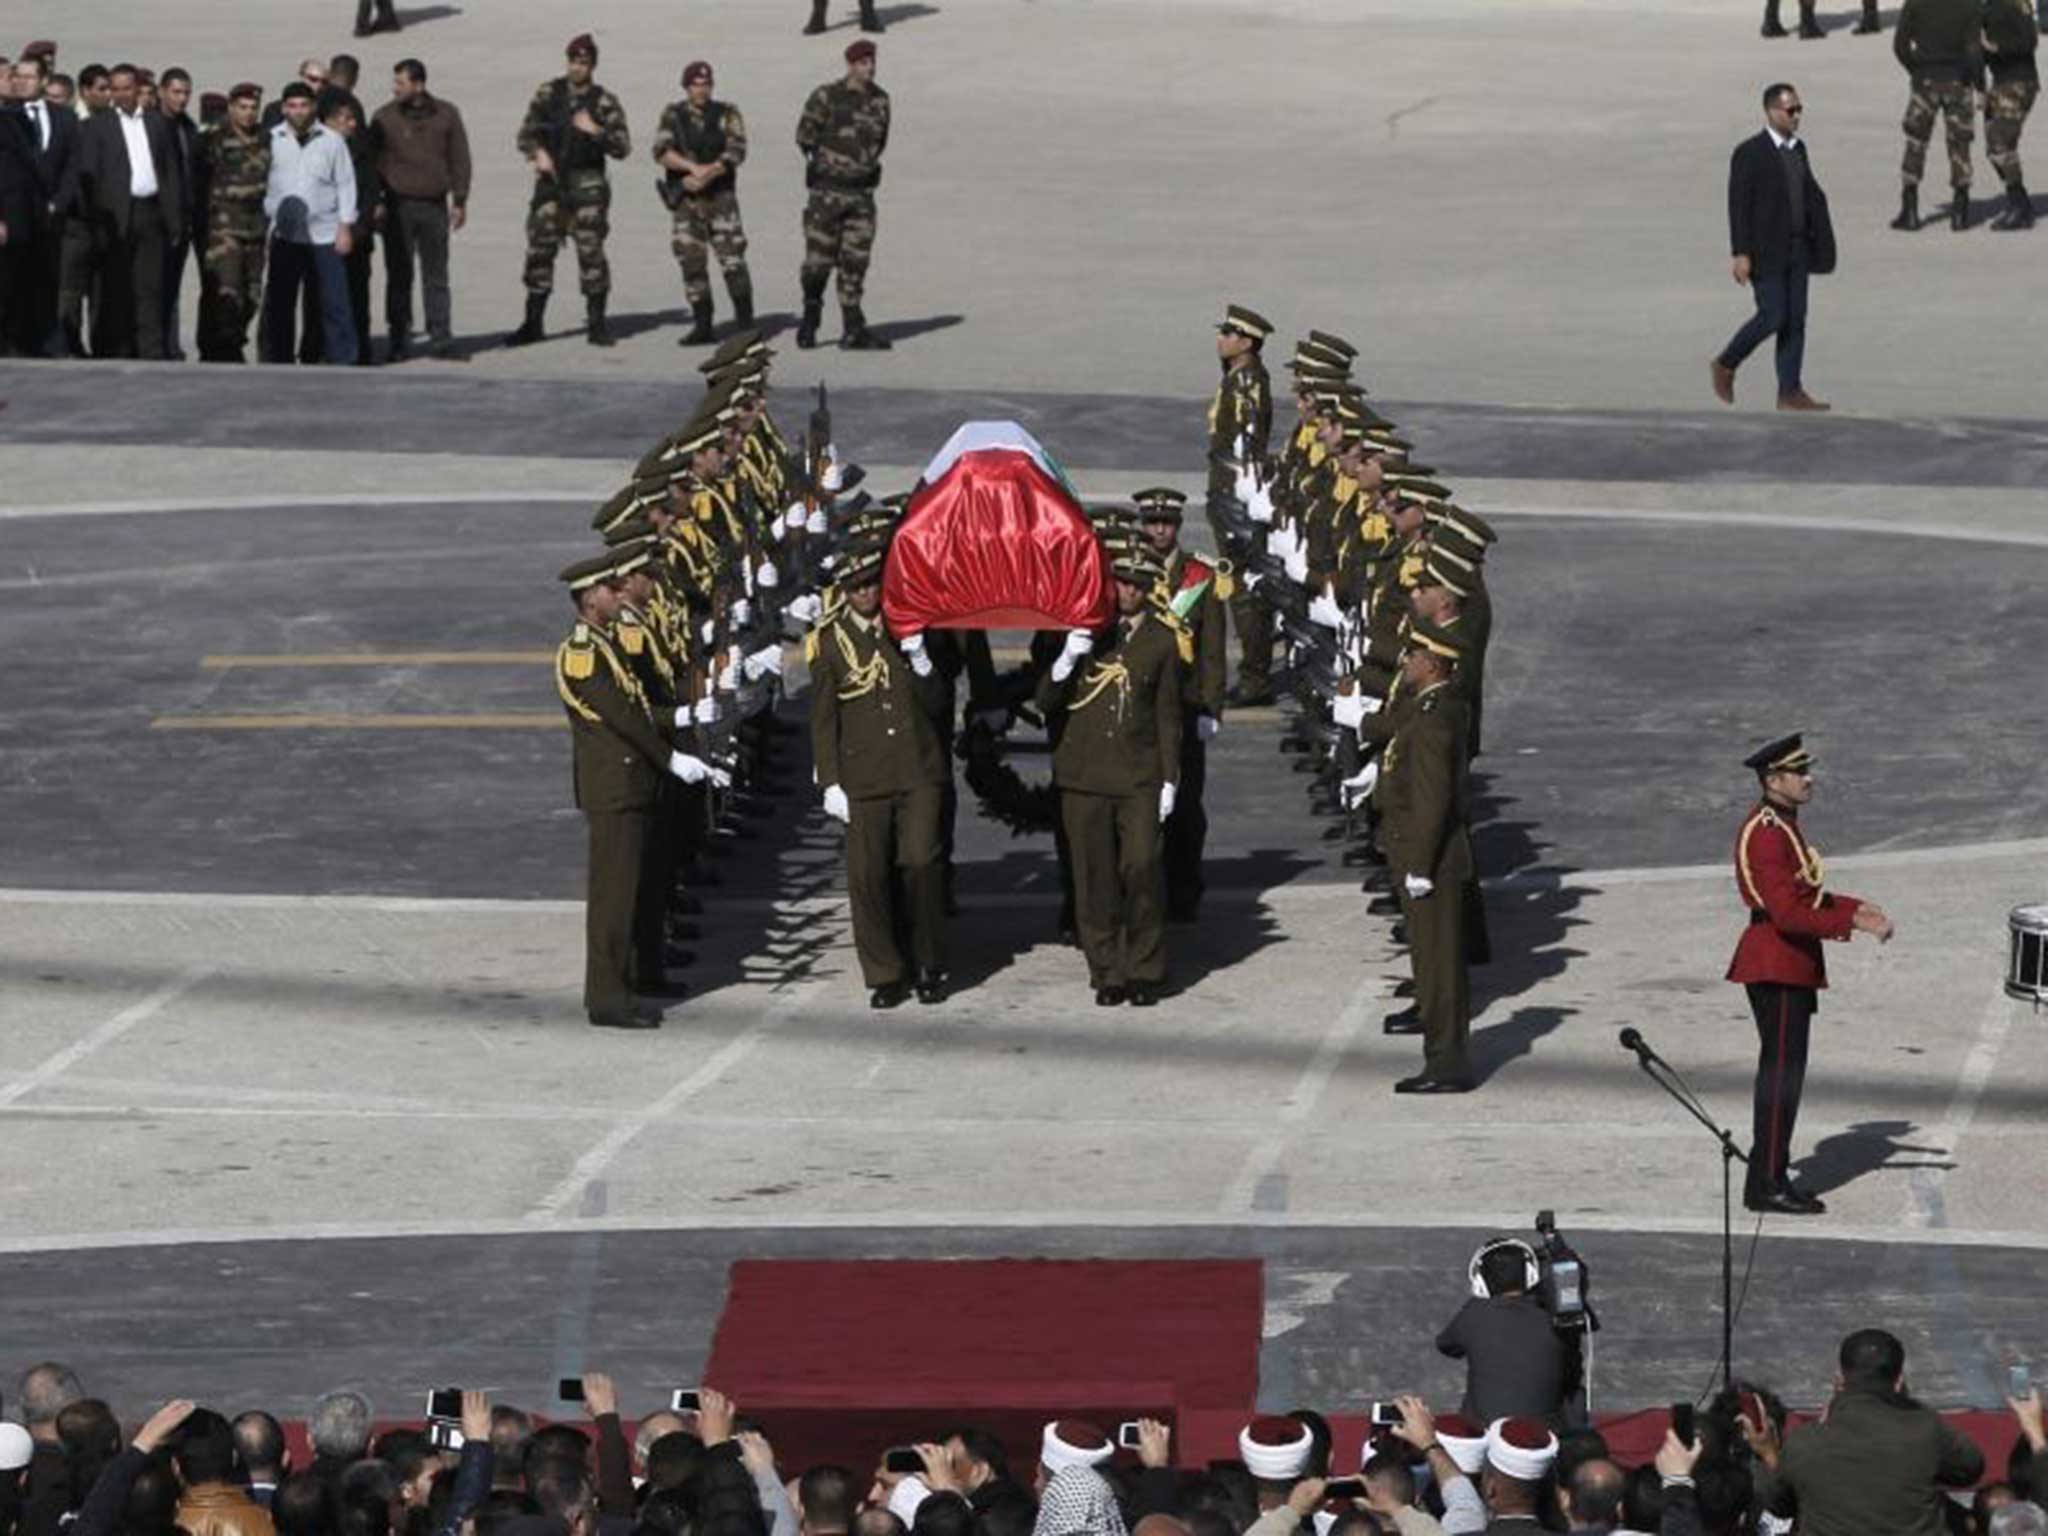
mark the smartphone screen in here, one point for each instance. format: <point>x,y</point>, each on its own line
<point>1345,1488</point>
<point>1681,1422</point>
<point>903,1459</point>
<point>1127,1433</point>
<point>2019,1380</point>
<point>684,1400</point>
<point>570,1389</point>
<point>1385,1415</point>
<point>445,1403</point>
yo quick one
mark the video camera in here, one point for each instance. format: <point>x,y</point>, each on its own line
<point>1557,1277</point>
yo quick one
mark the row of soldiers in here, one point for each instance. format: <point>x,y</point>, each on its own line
<point>573,126</point>
<point>1362,593</point>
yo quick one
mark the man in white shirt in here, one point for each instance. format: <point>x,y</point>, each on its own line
<point>128,189</point>
<point>311,204</point>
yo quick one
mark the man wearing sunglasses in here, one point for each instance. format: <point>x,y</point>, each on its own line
<point>1778,959</point>
<point>1779,234</point>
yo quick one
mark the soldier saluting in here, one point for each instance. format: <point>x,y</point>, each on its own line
<point>572,125</point>
<point>1778,960</point>
<point>842,133</point>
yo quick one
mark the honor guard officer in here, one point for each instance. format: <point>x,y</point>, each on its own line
<point>1240,426</point>
<point>621,754</point>
<point>842,133</point>
<point>876,746</point>
<point>572,126</point>
<point>1194,591</point>
<point>1778,960</point>
<point>1113,705</point>
<point>700,145</point>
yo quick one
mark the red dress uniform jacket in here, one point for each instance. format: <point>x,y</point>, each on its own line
<point>1779,876</point>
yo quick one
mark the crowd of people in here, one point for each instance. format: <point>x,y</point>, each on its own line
<point>113,180</point>
<point>1875,1463</point>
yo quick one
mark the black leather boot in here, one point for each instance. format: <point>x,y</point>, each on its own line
<point>857,337</point>
<point>534,327</point>
<point>700,334</point>
<point>1909,210</point>
<point>595,331</point>
<point>814,311</point>
<point>1869,22</point>
<point>869,21</point>
<point>1772,27</point>
<point>817,22</point>
<point>1959,208</point>
<point>2019,209</point>
<point>739,287</point>
<point>1809,24</point>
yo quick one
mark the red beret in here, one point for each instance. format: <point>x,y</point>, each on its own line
<point>856,51</point>
<point>245,90</point>
<point>582,42</point>
<point>696,70</point>
<point>41,48</point>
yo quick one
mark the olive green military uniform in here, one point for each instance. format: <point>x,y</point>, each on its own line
<point>1424,809</point>
<point>842,133</point>
<point>621,758</point>
<point>1241,424</point>
<point>1192,588</point>
<point>1116,720</point>
<point>576,200</point>
<point>873,734</point>
<point>237,168</point>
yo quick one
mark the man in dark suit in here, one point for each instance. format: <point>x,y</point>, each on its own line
<point>1779,234</point>
<point>128,188</point>
<point>174,95</point>
<point>48,135</point>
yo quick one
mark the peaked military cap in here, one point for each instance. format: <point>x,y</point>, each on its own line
<point>1330,342</point>
<point>631,555</point>
<point>1417,488</point>
<point>1311,359</point>
<point>1444,569</point>
<point>735,348</point>
<point>699,435</point>
<point>1245,322</point>
<point>1787,754</point>
<point>589,571</point>
<point>1135,565</point>
<point>1471,525</point>
<point>636,525</point>
<point>621,506</point>
<point>1444,535</point>
<point>1434,638</point>
<point>861,567</point>
<point>1160,504</point>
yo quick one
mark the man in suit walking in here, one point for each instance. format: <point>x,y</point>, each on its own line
<point>1779,234</point>
<point>128,187</point>
<point>47,135</point>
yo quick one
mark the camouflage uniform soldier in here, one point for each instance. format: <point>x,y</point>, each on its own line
<point>1938,43</point>
<point>843,131</point>
<point>571,125</point>
<point>2010,38</point>
<point>236,156</point>
<point>701,144</point>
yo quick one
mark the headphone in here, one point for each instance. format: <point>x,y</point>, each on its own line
<point>1532,1268</point>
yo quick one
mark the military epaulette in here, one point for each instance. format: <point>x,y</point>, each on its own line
<point>810,647</point>
<point>578,655</point>
<point>1427,703</point>
<point>632,639</point>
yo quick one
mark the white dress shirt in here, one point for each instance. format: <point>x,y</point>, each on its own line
<point>141,165</point>
<point>39,114</point>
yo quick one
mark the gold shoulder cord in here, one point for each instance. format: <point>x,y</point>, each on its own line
<point>1104,675</point>
<point>862,678</point>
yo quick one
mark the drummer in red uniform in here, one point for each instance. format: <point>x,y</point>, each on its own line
<point>1778,960</point>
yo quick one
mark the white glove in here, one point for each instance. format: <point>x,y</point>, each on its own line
<point>1245,485</point>
<point>719,777</point>
<point>1206,727</point>
<point>1260,507</point>
<point>707,630</point>
<point>835,804</point>
<point>1079,643</point>
<point>1281,541</point>
<point>691,770</point>
<point>832,476</point>
<point>1165,801</point>
<point>1372,706</point>
<point>1348,710</point>
<point>1296,562</point>
<point>913,647</point>
<point>767,577</point>
<point>685,715</point>
<point>794,516</point>
<point>1323,610</point>
<point>764,661</point>
<point>708,710</point>
<point>1417,886</point>
<point>741,613</point>
<point>817,522</point>
<point>806,609</point>
<point>729,677</point>
<point>1358,788</point>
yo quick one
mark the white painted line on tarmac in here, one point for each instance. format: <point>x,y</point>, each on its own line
<point>1926,1208</point>
<point>106,1034</point>
<point>600,473</point>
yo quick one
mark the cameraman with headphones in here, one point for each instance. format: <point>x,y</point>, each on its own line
<point>1516,1364</point>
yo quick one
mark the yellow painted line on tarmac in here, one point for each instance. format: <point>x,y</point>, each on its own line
<point>522,721</point>
<point>380,659</point>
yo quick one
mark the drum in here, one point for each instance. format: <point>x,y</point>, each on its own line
<point>2027,974</point>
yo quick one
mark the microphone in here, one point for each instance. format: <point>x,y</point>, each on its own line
<point>1632,1040</point>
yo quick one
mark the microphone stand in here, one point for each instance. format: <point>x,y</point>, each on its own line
<point>1667,1077</point>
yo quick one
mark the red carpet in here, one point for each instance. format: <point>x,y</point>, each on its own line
<point>840,1360</point>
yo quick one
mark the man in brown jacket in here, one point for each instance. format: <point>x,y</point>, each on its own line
<point>423,162</point>
<point>1113,703</point>
<point>213,1502</point>
<point>875,741</point>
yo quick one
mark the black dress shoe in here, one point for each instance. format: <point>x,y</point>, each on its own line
<point>1108,997</point>
<point>1422,1082</point>
<point>1406,1022</point>
<point>677,932</point>
<point>1785,1200</point>
<point>1142,995</point>
<point>1384,905</point>
<point>1405,988</point>
<point>1398,933</point>
<point>890,995</point>
<point>625,1020</point>
<point>931,987</point>
<point>678,959</point>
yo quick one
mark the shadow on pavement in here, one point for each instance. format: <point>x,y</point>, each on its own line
<point>1865,1147</point>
